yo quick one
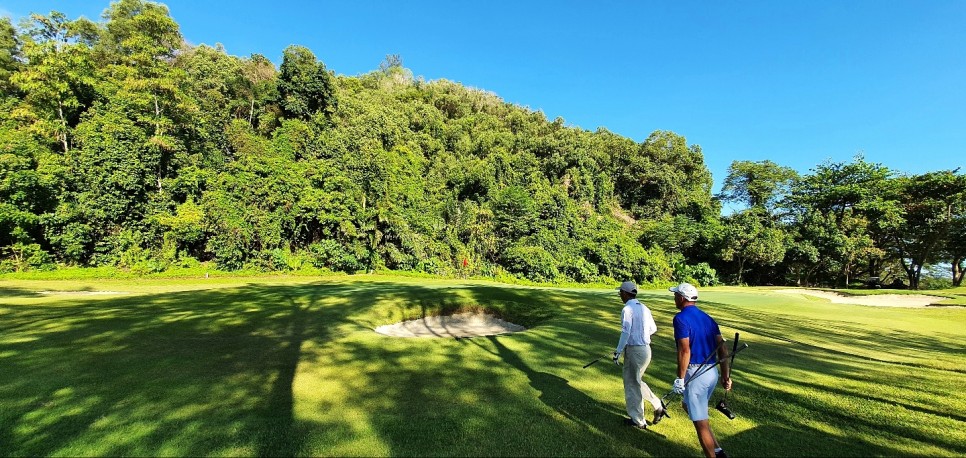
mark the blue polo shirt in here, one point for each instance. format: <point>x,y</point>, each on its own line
<point>700,329</point>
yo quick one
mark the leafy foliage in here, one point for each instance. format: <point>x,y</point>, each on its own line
<point>121,145</point>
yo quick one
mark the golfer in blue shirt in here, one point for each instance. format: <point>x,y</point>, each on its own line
<point>697,337</point>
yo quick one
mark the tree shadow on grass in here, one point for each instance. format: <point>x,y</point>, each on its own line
<point>187,373</point>
<point>857,414</point>
<point>599,420</point>
<point>215,373</point>
<point>788,386</point>
<point>894,346</point>
<point>780,440</point>
<point>11,291</point>
<point>205,372</point>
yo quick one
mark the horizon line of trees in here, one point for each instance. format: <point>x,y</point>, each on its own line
<point>122,145</point>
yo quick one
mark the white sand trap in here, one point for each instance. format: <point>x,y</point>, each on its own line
<point>457,325</point>
<point>877,300</point>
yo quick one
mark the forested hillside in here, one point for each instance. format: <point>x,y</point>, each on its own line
<point>121,145</point>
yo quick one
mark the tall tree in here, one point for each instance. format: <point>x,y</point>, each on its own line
<point>931,203</point>
<point>761,184</point>
<point>304,85</point>
<point>750,238</point>
<point>955,248</point>
<point>9,54</point>
<point>212,84</point>
<point>258,83</point>
<point>664,175</point>
<point>58,77</point>
<point>847,203</point>
<point>138,47</point>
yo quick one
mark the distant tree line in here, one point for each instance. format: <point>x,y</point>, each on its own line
<point>122,145</point>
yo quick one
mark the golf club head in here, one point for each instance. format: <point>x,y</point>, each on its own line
<point>664,409</point>
<point>723,408</point>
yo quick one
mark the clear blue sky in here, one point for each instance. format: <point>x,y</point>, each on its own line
<point>797,82</point>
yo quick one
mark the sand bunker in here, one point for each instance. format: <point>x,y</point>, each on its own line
<point>457,325</point>
<point>878,300</point>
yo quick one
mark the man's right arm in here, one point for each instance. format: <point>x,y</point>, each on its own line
<point>625,333</point>
<point>684,356</point>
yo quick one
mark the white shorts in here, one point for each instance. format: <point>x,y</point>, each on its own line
<point>698,392</point>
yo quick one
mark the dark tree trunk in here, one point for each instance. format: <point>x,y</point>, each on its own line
<point>958,271</point>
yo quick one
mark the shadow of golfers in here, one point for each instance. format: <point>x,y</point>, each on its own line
<point>602,421</point>
<point>788,440</point>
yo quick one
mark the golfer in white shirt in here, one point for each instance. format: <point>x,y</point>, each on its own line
<point>637,326</point>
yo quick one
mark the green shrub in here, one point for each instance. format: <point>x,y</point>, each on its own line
<point>332,255</point>
<point>433,266</point>
<point>28,256</point>
<point>931,282</point>
<point>531,262</point>
<point>700,274</point>
<point>654,267</point>
<point>229,252</point>
<point>578,269</point>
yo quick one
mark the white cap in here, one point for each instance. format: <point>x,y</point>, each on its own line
<point>686,290</point>
<point>628,287</point>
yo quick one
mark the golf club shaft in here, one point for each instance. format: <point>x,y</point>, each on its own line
<point>594,362</point>
<point>715,352</point>
<point>702,369</point>
<point>706,369</point>
<point>734,349</point>
<point>699,367</point>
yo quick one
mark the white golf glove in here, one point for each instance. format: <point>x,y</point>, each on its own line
<point>678,386</point>
<point>617,358</point>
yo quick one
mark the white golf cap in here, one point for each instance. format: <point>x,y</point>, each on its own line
<point>628,287</point>
<point>686,290</point>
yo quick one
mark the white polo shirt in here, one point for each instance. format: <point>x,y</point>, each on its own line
<point>637,325</point>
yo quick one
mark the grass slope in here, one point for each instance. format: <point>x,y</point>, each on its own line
<point>290,366</point>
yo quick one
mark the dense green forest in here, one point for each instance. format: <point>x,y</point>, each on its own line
<point>122,145</point>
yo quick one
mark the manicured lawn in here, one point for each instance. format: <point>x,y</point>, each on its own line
<point>291,366</point>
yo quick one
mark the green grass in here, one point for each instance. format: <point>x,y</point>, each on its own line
<point>291,366</point>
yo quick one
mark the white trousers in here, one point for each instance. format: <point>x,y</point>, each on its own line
<point>636,360</point>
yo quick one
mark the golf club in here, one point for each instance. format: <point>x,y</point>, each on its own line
<point>702,369</point>
<point>699,369</point>
<point>696,374</point>
<point>664,398</point>
<point>722,405</point>
<point>598,359</point>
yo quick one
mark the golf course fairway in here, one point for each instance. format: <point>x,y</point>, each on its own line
<point>292,366</point>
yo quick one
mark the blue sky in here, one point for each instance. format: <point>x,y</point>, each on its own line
<point>796,82</point>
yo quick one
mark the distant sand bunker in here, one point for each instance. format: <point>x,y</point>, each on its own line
<point>878,300</point>
<point>457,325</point>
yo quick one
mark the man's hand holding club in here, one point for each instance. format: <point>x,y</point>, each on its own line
<point>678,386</point>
